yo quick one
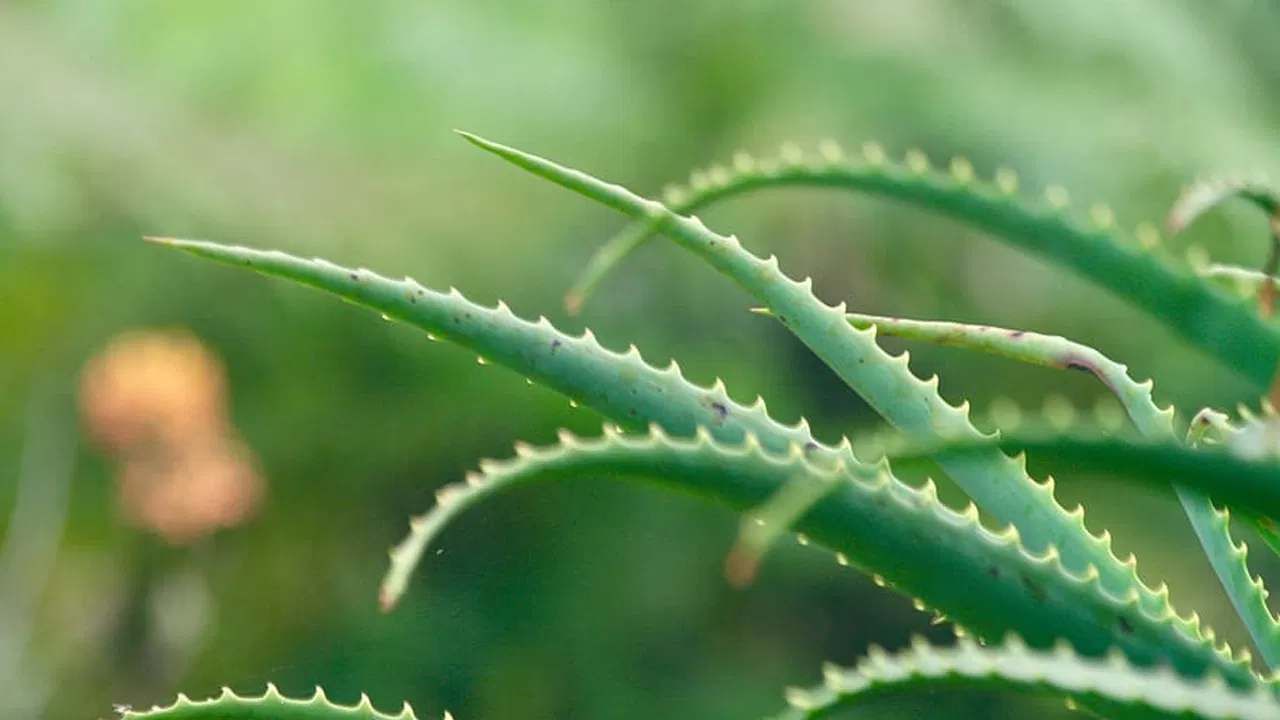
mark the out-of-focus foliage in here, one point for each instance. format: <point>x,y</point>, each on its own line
<point>323,127</point>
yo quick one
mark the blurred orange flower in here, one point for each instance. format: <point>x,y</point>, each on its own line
<point>156,402</point>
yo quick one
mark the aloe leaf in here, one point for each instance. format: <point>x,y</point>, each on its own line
<point>987,582</point>
<point>1267,530</point>
<point>270,706</point>
<point>1112,686</point>
<point>495,331</point>
<point>1209,425</point>
<point>1247,279</point>
<point>621,386</point>
<point>998,483</point>
<point>1249,485</point>
<point>1230,560</point>
<point>1205,195</point>
<point>1095,248</point>
<point>765,525</point>
<point>574,365</point>
<point>610,255</point>
<point>1034,348</point>
<point>1211,525</point>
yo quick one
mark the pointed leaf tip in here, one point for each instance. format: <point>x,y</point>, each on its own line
<point>573,302</point>
<point>475,139</point>
<point>387,600</point>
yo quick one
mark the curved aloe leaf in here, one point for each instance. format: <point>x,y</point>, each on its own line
<point>518,343</point>
<point>1205,315</point>
<point>1201,197</point>
<point>1208,194</point>
<point>1211,525</point>
<point>1249,485</point>
<point>998,483</point>
<point>1037,349</point>
<point>987,582</point>
<point>621,386</point>
<point>1111,687</point>
<point>765,525</point>
<point>270,706</point>
<point>1243,277</point>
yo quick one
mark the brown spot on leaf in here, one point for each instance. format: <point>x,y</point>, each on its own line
<point>1034,589</point>
<point>720,410</point>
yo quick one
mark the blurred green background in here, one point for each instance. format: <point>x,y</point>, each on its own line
<point>324,128</point>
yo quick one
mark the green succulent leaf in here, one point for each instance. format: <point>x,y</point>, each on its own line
<point>1248,485</point>
<point>1095,248</point>
<point>621,386</point>
<point>575,364</point>
<point>1248,280</point>
<point>1111,687</point>
<point>1205,195</point>
<point>1044,578</point>
<point>1211,525</point>
<point>987,582</point>
<point>269,706</point>
<point>1208,194</point>
<point>998,483</point>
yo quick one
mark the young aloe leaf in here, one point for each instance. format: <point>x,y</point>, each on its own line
<point>765,525</point>
<point>1208,194</point>
<point>1247,279</point>
<point>270,706</point>
<point>610,255</point>
<point>1203,196</point>
<point>1112,687</point>
<point>621,386</point>
<point>1267,530</point>
<point>1211,525</point>
<point>1037,349</point>
<point>998,483</point>
<point>987,582</point>
<point>1209,427</point>
<point>1206,316</point>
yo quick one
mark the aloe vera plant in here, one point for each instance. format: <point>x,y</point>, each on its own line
<point>1043,603</point>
